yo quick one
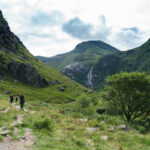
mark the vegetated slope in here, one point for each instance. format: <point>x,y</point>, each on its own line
<point>58,127</point>
<point>137,59</point>
<point>17,64</point>
<point>77,63</point>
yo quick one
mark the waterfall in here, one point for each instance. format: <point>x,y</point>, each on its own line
<point>89,78</point>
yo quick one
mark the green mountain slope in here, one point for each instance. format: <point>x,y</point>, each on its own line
<point>21,72</point>
<point>77,63</point>
<point>137,59</point>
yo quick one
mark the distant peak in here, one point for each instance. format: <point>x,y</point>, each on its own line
<point>2,19</point>
<point>83,46</point>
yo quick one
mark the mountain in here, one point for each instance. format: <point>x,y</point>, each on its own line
<point>137,59</point>
<point>20,70</point>
<point>78,63</point>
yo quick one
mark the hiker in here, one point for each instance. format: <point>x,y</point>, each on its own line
<point>22,101</point>
<point>11,99</point>
<point>16,98</point>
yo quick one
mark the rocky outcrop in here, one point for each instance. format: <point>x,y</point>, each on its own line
<point>15,59</point>
<point>77,71</point>
<point>8,40</point>
<point>27,73</point>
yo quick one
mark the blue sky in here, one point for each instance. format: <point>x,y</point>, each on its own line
<point>51,27</point>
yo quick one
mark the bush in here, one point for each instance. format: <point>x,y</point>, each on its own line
<point>43,124</point>
<point>85,105</point>
<point>129,94</point>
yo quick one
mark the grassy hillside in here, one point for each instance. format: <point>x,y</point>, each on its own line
<point>58,127</point>
<point>132,60</point>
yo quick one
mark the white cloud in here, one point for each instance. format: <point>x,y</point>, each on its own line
<point>47,37</point>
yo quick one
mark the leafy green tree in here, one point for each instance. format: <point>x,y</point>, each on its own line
<point>129,93</point>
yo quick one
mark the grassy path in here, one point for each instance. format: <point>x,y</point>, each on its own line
<point>22,142</point>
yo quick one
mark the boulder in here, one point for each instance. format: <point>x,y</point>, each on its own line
<point>27,73</point>
<point>59,82</point>
<point>61,89</point>
<point>122,127</point>
<point>53,82</point>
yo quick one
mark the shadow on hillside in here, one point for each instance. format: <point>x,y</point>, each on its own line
<point>142,126</point>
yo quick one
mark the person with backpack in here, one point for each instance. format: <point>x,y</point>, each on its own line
<point>22,101</point>
<point>16,98</point>
<point>11,98</point>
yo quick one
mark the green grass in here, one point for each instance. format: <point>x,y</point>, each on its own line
<point>56,129</point>
<point>48,94</point>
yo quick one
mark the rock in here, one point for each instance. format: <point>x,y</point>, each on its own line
<point>90,91</point>
<point>5,110</point>
<point>22,137</point>
<point>32,112</point>
<point>25,110</point>
<point>4,128</point>
<point>15,81</point>
<point>27,73</point>
<point>92,129</point>
<point>76,70</point>
<point>122,127</point>
<point>86,91</point>
<point>90,143</point>
<point>104,137</point>
<point>19,122</point>
<point>17,107</point>
<point>59,82</point>
<point>61,89</point>
<point>83,120</point>
<point>4,133</point>
<point>111,128</point>
<point>53,82</point>
<point>102,122</point>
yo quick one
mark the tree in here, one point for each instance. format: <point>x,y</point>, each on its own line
<point>129,93</point>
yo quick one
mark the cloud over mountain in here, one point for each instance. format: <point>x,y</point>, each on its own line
<point>87,31</point>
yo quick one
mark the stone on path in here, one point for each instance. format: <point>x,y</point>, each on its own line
<point>104,137</point>
<point>122,127</point>
<point>82,120</point>
<point>111,128</point>
<point>32,112</point>
<point>4,133</point>
<point>92,129</point>
<point>5,110</point>
<point>4,128</point>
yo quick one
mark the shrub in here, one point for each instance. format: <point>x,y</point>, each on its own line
<point>43,124</point>
<point>84,105</point>
<point>129,94</point>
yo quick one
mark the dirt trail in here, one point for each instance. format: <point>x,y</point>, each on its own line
<point>5,110</point>
<point>25,141</point>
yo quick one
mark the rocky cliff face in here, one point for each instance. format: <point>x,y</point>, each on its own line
<point>137,59</point>
<point>77,71</point>
<point>15,59</point>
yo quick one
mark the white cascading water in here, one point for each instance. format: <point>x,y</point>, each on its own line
<point>89,77</point>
